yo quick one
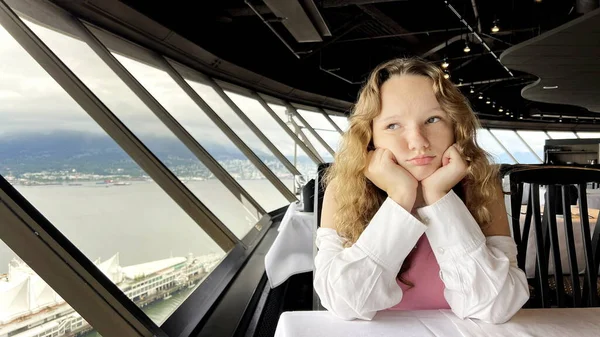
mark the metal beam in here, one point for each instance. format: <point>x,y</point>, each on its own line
<point>313,156</point>
<point>388,36</point>
<point>476,13</point>
<point>390,24</point>
<point>173,125</point>
<point>310,129</point>
<point>326,115</point>
<point>528,147</point>
<point>114,127</point>
<point>502,146</point>
<point>293,170</point>
<point>441,46</point>
<point>495,80</point>
<point>64,268</point>
<point>75,278</point>
<point>344,3</point>
<point>477,36</point>
<point>305,139</point>
<point>214,117</point>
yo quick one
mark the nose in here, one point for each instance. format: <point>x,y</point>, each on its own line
<point>417,139</point>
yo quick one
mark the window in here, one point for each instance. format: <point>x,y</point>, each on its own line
<point>271,129</point>
<point>489,144</point>
<point>515,146</point>
<point>536,140</point>
<point>149,129</point>
<point>67,167</point>
<point>562,135</point>
<point>25,298</point>
<point>253,180</point>
<point>322,126</point>
<point>342,122</point>
<point>588,134</point>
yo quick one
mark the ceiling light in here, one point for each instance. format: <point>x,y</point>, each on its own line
<point>550,87</point>
<point>480,96</point>
<point>500,109</point>
<point>507,113</point>
<point>467,49</point>
<point>446,75</point>
<point>488,101</point>
<point>445,64</point>
<point>495,28</point>
<point>493,104</point>
<point>511,116</point>
<point>520,117</point>
<point>472,90</point>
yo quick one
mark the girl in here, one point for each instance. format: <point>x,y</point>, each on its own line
<point>413,214</point>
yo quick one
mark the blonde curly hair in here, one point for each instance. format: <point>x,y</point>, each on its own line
<point>357,198</point>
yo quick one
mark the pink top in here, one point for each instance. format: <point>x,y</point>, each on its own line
<point>424,272</point>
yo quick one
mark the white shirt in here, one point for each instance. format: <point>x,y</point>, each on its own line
<point>480,274</point>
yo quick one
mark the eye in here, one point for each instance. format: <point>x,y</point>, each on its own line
<point>392,126</point>
<point>434,119</point>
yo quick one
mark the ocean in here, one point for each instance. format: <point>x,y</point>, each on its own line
<point>140,222</point>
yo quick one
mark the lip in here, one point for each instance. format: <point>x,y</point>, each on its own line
<point>422,160</point>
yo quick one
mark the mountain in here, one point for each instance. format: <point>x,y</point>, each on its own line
<point>95,153</point>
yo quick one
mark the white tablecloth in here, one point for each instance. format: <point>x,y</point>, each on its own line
<point>527,322</point>
<point>292,250</point>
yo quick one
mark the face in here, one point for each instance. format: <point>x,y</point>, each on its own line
<point>412,125</point>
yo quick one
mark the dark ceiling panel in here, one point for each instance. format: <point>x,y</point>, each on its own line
<point>233,32</point>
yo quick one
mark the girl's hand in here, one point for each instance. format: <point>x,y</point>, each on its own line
<point>384,171</point>
<point>453,170</point>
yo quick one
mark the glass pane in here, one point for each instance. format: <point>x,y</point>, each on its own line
<point>489,144</point>
<point>25,300</point>
<point>271,129</point>
<point>159,139</point>
<point>224,204</point>
<point>342,122</point>
<point>58,158</point>
<point>251,178</point>
<point>588,134</point>
<point>322,126</point>
<point>313,141</point>
<point>536,140</point>
<point>515,146</point>
<point>562,135</point>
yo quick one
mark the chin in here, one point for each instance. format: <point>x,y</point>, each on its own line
<point>421,173</point>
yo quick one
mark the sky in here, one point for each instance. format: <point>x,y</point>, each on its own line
<point>31,101</point>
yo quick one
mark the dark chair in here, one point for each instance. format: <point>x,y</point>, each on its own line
<point>559,290</point>
<point>320,191</point>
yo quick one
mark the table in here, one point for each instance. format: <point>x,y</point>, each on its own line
<point>292,250</point>
<point>580,322</point>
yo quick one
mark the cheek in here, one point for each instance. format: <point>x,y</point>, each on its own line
<point>444,137</point>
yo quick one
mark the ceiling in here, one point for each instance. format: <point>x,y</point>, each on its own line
<point>569,70</point>
<point>252,35</point>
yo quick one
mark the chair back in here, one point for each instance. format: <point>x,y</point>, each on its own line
<point>318,202</point>
<point>562,185</point>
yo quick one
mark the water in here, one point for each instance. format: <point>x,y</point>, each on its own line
<point>157,310</point>
<point>138,221</point>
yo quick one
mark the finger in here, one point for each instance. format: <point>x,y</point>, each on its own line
<point>445,160</point>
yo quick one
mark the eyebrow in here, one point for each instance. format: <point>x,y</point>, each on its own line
<point>386,119</point>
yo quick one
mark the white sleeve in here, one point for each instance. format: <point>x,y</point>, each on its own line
<point>480,274</point>
<point>358,281</point>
